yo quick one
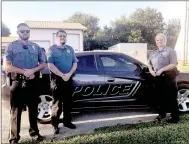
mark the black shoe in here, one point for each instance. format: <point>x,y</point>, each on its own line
<point>38,138</point>
<point>160,117</point>
<point>56,130</point>
<point>171,120</point>
<point>70,125</point>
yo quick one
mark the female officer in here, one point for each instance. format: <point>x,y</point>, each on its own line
<point>162,65</point>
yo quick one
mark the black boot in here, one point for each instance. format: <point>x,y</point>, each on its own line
<point>160,117</point>
<point>69,125</point>
<point>173,120</point>
<point>56,130</point>
<point>38,138</point>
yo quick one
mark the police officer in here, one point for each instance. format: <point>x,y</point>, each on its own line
<point>162,66</point>
<point>62,63</point>
<point>23,59</point>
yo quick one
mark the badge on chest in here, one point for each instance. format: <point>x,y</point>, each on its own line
<point>68,51</point>
<point>164,54</point>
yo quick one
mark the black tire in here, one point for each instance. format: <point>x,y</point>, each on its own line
<point>44,121</point>
<point>183,86</point>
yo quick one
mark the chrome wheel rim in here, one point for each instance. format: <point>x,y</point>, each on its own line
<point>44,107</point>
<point>183,100</point>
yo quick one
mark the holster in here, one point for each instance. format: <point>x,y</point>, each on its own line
<point>172,73</point>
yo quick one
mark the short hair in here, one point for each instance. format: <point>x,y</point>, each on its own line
<point>61,31</point>
<point>22,24</point>
<point>164,37</point>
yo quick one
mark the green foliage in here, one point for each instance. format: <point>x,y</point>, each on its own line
<point>135,36</point>
<point>172,31</point>
<point>93,44</point>
<point>5,31</point>
<point>152,23</point>
<point>140,27</point>
<point>89,21</point>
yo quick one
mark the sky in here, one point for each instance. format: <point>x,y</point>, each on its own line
<point>14,13</point>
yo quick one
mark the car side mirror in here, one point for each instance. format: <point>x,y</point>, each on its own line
<point>144,68</point>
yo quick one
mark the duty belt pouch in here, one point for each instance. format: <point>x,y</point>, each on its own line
<point>13,76</point>
<point>8,79</point>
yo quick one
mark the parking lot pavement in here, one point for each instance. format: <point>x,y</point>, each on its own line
<point>85,122</point>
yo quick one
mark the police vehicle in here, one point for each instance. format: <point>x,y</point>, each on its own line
<point>109,80</point>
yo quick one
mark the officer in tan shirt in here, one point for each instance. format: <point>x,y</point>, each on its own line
<point>162,64</point>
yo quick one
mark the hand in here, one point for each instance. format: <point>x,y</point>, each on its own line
<point>159,72</point>
<point>66,76</point>
<point>28,72</point>
<point>63,77</point>
<point>153,73</point>
<point>32,76</point>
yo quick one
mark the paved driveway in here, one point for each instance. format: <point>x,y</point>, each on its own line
<point>85,123</point>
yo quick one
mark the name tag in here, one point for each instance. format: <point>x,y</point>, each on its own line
<point>164,54</point>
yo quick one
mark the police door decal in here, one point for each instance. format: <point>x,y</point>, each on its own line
<point>99,87</point>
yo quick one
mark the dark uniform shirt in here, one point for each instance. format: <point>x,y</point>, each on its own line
<point>62,58</point>
<point>159,59</point>
<point>24,57</point>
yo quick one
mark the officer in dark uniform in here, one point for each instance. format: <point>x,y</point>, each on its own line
<point>62,63</point>
<point>162,65</point>
<point>23,59</point>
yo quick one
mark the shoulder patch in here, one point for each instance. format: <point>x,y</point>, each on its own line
<point>51,47</point>
<point>68,46</point>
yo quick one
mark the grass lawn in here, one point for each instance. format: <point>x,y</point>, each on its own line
<point>140,133</point>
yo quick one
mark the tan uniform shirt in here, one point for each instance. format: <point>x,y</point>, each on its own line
<point>159,59</point>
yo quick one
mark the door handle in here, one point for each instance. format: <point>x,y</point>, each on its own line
<point>111,80</point>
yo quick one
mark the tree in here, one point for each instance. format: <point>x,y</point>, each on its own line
<point>152,22</point>
<point>5,31</point>
<point>135,36</point>
<point>172,32</point>
<point>125,30</point>
<point>89,21</point>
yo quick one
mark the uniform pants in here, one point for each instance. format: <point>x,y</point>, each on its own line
<point>166,90</point>
<point>21,95</point>
<point>62,93</point>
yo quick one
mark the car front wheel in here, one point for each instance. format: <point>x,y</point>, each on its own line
<point>183,97</point>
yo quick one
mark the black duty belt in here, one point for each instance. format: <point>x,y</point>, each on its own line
<point>15,76</point>
<point>23,79</point>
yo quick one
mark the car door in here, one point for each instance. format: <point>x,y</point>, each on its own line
<point>88,81</point>
<point>122,77</point>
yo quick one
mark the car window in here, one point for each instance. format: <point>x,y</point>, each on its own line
<point>116,63</point>
<point>86,63</point>
<point>108,61</point>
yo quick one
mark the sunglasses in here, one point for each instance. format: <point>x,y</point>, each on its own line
<point>24,31</point>
<point>25,46</point>
<point>62,36</point>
